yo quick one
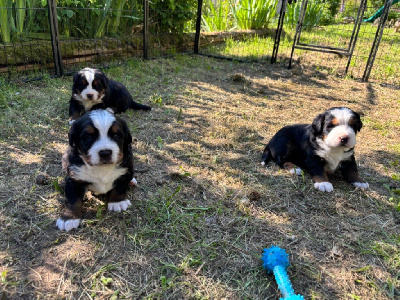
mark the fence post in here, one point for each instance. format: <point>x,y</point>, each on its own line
<point>377,40</point>
<point>55,38</point>
<point>356,30</point>
<point>279,31</point>
<point>299,26</point>
<point>145,29</point>
<point>198,26</point>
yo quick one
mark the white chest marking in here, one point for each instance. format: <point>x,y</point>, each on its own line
<point>333,156</point>
<point>101,177</point>
<point>88,104</point>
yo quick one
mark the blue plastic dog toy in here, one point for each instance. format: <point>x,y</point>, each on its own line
<point>276,261</point>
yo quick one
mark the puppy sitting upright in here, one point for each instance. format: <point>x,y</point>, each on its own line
<point>92,89</point>
<point>319,148</point>
<point>99,159</point>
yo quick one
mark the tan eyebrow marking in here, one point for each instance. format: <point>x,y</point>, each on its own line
<point>114,128</point>
<point>89,129</point>
<point>335,121</point>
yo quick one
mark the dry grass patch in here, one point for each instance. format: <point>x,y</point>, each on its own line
<point>204,208</point>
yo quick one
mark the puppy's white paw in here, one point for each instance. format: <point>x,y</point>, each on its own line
<point>71,121</point>
<point>324,186</point>
<point>110,110</point>
<point>296,171</point>
<point>67,225</point>
<point>363,185</point>
<point>133,181</point>
<point>119,206</point>
<point>263,163</point>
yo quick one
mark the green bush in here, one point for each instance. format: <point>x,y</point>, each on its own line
<point>330,11</point>
<point>172,16</point>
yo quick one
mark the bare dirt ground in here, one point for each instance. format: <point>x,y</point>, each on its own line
<point>204,207</point>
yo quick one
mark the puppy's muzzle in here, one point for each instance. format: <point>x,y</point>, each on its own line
<point>105,155</point>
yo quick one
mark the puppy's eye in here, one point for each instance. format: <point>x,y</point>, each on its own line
<point>116,135</point>
<point>87,137</point>
<point>330,125</point>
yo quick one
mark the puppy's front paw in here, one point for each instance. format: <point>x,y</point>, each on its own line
<point>133,182</point>
<point>119,206</point>
<point>71,121</point>
<point>363,185</point>
<point>296,171</point>
<point>324,186</point>
<point>67,225</point>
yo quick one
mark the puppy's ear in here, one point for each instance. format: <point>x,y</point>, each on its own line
<point>357,122</point>
<point>103,78</point>
<point>128,137</point>
<point>318,124</point>
<point>76,76</point>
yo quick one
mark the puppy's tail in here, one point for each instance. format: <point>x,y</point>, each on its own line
<point>135,105</point>
<point>266,157</point>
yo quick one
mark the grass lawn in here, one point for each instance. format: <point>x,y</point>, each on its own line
<point>204,207</point>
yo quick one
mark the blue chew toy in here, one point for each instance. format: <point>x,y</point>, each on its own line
<point>276,260</point>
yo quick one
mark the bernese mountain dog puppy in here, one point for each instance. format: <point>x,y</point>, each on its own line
<point>92,89</point>
<point>99,158</point>
<point>322,147</point>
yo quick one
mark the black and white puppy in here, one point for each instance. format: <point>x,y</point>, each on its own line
<point>99,159</point>
<point>92,89</point>
<point>319,148</point>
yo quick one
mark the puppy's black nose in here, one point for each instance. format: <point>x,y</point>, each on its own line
<point>344,140</point>
<point>89,96</point>
<point>105,154</point>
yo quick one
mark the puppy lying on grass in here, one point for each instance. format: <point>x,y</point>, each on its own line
<point>319,148</point>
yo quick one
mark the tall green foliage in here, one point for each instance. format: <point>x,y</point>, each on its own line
<point>312,18</point>
<point>217,17</point>
<point>254,14</point>
<point>20,6</point>
<point>4,21</point>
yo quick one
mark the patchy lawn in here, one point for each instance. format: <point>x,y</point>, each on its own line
<point>204,207</point>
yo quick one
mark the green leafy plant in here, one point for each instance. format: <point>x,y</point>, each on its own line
<point>312,18</point>
<point>216,18</point>
<point>254,14</point>
<point>173,15</point>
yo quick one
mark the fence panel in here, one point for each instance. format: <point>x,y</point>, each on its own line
<point>104,33</point>
<point>241,30</point>
<point>25,41</point>
<point>100,35</point>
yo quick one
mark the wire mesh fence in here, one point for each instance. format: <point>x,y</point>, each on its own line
<point>99,37</point>
<point>25,41</point>
<point>101,33</point>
